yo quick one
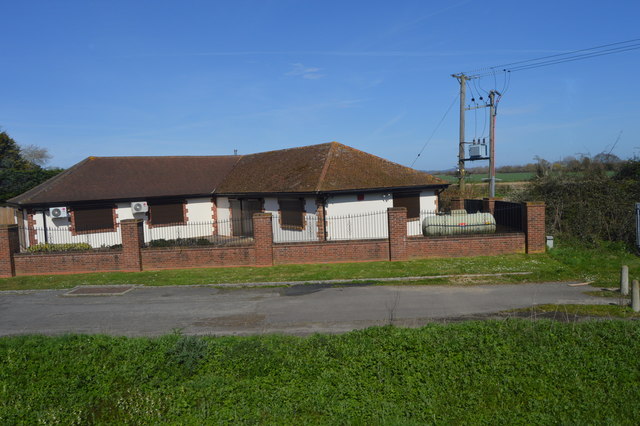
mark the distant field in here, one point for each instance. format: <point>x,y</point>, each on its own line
<point>500,177</point>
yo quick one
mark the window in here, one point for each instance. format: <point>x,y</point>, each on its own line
<point>292,213</point>
<point>410,200</point>
<point>93,219</point>
<point>166,213</point>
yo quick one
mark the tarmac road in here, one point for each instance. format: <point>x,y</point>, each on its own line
<point>299,310</point>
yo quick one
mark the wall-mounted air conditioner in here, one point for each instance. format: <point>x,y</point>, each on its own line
<point>139,207</point>
<point>58,212</point>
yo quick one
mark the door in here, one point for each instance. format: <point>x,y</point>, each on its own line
<point>242,211</point>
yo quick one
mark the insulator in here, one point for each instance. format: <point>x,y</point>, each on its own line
<point>480,97</point>
<point>473,99</point>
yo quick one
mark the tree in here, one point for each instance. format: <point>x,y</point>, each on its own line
<point>19,173</point>
<point>35,154</point>
<point>10,157</point>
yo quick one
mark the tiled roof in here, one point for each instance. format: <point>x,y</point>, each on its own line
<point>114,178</point>
<point>310,169</point>
<point>320,168</point>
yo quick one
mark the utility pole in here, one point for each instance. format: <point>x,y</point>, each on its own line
<point>492,144</point>
<point>476,154</point>
<point>462,79</point>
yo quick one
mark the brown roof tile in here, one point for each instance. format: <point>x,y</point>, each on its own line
<point>286,170</point>
<point>309,169</point>
<point>113,178</point>
<point>320,168</point>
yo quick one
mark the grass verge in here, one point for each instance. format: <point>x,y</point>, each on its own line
<point>565,263</point>
<point>613,310</point>
<point>494,372</point>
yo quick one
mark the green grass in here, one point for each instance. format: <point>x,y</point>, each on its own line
<point>565,263</point>
<point>608,311</point>
<point>494,372</point>
<point>500,177</point>
<point>608,293</point>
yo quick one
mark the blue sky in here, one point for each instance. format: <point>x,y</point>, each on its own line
<point>131,77</point>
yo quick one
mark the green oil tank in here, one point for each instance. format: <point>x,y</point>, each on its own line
<point>458,223</point>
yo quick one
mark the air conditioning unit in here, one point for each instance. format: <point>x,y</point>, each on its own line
<point>58,212</point>
<point>139,207</point>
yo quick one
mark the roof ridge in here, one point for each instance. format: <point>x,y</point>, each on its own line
<point>290,149</point>
<point>240,157</point>
<point>327,161</point>
<point>93,157</point>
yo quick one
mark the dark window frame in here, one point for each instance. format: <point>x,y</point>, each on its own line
<point>106,224</point>
<point>163,221</point>
<point>292,218</point>
<point>410,201</point>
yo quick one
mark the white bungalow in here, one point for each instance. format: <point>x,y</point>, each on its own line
<point>328,191</point>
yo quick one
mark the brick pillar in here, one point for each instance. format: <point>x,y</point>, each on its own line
<point>214,215</point>
<point>320,215</point>
<point>489,205</point>
<point>457,203</point>
<point>132,240</point>
<point>263,239</point>
<point>9,244</point>
<point>397,217</point>
<point>534,226</point>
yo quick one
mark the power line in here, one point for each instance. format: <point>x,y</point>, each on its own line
<point>485,69</point>
<point>533,64</point>
<point>436,128</point>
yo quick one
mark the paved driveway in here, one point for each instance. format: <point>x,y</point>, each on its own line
<point>144,311</point>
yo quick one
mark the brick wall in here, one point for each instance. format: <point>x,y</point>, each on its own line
<point>397,217</point>
<point>69,263</point>
<point>465,245</point>
<point>331,252</point>
<point>9,244</point>
<point>534,226</point>
<point>264,252</point>
<point>205,257</point>
<point>263,239</point>
<point>132,240</point>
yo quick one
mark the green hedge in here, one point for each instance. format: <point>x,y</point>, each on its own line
<point>49,248</point>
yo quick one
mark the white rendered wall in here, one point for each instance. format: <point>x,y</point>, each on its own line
<point>59,232</point>
<point>198,223</point>
<point>224,216</point>
<point>308,233</point>
<point>350,219</point>
<point>198,210</point>
<point>428,207</point>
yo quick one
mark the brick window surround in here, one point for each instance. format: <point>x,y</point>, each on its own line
<point>292,213</point>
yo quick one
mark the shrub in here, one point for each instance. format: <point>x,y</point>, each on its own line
<point>48,248</point>
<point>180,242</point>
<point>589,206</point>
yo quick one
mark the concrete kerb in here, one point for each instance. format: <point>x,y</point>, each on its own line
<point>273,283</point>
<point>360,280</point>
